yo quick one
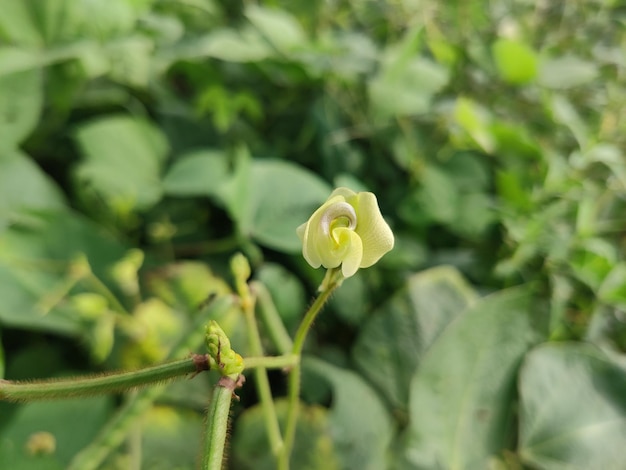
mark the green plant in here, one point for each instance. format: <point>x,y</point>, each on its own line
<point>145,142</point>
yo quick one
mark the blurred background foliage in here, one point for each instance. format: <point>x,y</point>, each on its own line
<point>143,142</point>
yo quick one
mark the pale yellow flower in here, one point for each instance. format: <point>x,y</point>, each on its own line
<point>347,230</point>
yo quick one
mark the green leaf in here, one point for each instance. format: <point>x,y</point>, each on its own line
<point>516,61</point>
<point>86,417</point>
<point>21,100</point>
<point>405,87</point>
<point>566,72</point>
<point>171,438</point>
<point>393,342</point>
<point>277,27</point>
<point>475,121</point>
<point>361,439</point>
<point>438,195</point>
<point>286,290</point>
<point>122,161</point>
<point>24,187</point>
<point>313,447</point>
<point>225,44</point>
<point>198,173</point>
<point>613,288</point>
<point>269,199</point>
<point>36,265</point>
<point>462,394</point>
<point>572,409</point>
<point>16,23</point>
<point>2,366</point>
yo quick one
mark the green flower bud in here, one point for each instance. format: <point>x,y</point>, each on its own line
<point>347,230</point>
<point>222,356</point>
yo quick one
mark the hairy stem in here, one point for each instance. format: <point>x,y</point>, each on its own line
<point>100,384</point>
<point>332,280</point>
<point>217,426</point>
<point>120,424</point>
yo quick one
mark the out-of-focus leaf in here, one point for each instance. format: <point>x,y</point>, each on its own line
<point>16,23</point>
<point>36,267</point>
<point>198,173</point>
<point>565,113</point>
<point>438,195</point>
<point>613,288</point>
<point>276,26</point>
<point>572,410</point>
<point>270,198</point>
<point>122,161</point>
<point>85,415</point>
<point>171,438</point>
<point>230,45</point>
<point>391,344</point>
<point>475,121</point>
<point>286,290</point>
<point>406,89</point>
<point>1,357</point>
<point>361,440</point>
<point>313,447</point>
<point>566,72</point>
<point>24,187</point>
<point>350,302</point>
<point>21,99</point>
<point>461,395</point>
<point>516,61</point>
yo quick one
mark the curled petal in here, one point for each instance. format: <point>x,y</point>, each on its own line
<point>347,230</point>
<point>375,234</point>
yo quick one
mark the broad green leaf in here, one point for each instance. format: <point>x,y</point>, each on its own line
<point>198,173</point>
<point>21,99</point>
<point>269,199</point>
<point>2,367</point>
<point>407,89</point>
<point>613,288</point>
<point>565,113</point>
<point>516,61</point>
<point>85,415</point>
<point>462,395</point>
<point>277,27</point>
<point>286,290</point>
<point>225,44</point>
<point>313,447</point>
<point>123,157</point>
<point>17,23</point>
<point>475,121</point>
<point>361,439</point>
<point>36,262</point>
<point>572,409</point>
<point>392,343</point>
<point>566,72</point>
<point>24,187</point>
<point>171,438</point>
<point>438,195</point>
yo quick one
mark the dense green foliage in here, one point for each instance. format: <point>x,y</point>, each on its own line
<point>144,142</point>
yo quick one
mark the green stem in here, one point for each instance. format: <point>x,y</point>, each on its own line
<point>260,375</point>
<point>332,280</point>
<point>271,362</point>
<point>273,323</point>
<point>120,424</point>
<point>217,426</point>
<point>100,384</point>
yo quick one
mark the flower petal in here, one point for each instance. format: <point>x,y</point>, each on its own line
<point>375,234</point>
<point>353,251</point>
